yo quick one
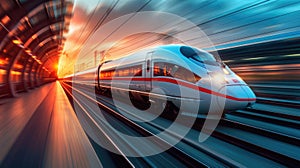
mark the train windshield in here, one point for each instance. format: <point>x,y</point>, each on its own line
<point>198,56</point>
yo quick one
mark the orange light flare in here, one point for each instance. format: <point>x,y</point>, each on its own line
<point>2,72</point>
<point>56,67</point>
<point>34,36</point>
<point>65,65</point>
<point>15,73</point>
<point>28,51</point>
<point>17,41</point>
<point>18,66</point>
<point>3,62</point>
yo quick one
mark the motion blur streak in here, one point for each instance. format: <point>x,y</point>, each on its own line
<point>229,24</point>
<point>258,39</point>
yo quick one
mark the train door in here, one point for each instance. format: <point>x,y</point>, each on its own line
<point>148,71</point>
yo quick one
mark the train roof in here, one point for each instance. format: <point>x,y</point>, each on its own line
<point>140,55</point>
<point>177,50</point>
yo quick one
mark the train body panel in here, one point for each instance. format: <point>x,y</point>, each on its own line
<point>173,72</point>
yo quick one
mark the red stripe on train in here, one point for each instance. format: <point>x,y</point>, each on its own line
<point>182,83</point>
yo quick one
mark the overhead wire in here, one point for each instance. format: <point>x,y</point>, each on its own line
<point>117,28</point>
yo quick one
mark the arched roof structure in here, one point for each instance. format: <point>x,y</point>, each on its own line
<point>32,39</point>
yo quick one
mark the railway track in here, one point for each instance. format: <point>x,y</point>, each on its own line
<point>278,93</point>
<point>269,130</point>
<point>276,146</point>
<point>252,140</point>
<point>165,159</point>
<point>221,133</point>
<point>121,158</point>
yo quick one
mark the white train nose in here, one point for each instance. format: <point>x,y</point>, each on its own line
<point>237,97</point>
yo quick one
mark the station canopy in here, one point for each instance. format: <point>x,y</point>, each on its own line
<point>32,39</point>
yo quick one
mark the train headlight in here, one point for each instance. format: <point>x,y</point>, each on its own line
<point>218,77</point>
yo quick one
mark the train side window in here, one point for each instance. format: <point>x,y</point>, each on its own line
<point>126,72</point>
<point>156,70</point>
<point>186,75</point>
<point>162,69</point>
<point>106,74</point>
<point>116,73</point>
<point>123,72</point>
<point>138,71</point>
<point>172,70</point>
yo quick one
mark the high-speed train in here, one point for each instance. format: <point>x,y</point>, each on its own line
<point>178,73</point>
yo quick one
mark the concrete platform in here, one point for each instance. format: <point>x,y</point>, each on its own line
<point>40,129</point>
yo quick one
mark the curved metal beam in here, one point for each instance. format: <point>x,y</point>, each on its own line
<point>25,85</point>
<point>47,49</point>
<point>35,8</point>
<point>10,65</point>
<point>24,18</point>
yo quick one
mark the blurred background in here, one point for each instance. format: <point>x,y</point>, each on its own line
<point>45,40</point>
<point>258,39</point>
